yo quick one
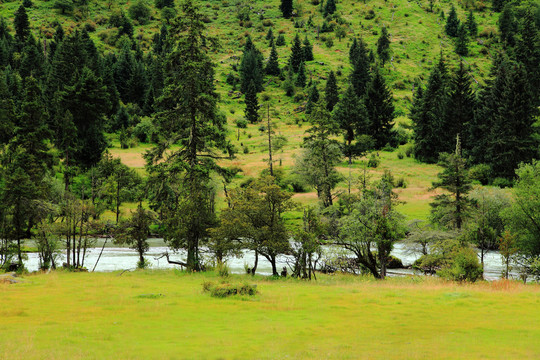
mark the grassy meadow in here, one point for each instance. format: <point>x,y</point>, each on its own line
<point>166,315</point>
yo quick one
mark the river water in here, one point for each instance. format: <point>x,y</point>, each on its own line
<point>121,258</point>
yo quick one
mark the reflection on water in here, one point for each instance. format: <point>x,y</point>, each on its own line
<point>115,258</point>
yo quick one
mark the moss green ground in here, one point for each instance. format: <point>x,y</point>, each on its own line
<point>108,316</point>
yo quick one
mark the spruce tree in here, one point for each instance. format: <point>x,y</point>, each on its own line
<point>470,24</point>
<point>380,111</point>
<point>308,50</point>
<point>508,25</point>
<point>272,66</point>
<point>297,54</point>
<point>251,70</point>
<point>459,109</point>
<point>462,41</point>
<point>329,8</point>
<point>351,116</point>
<point>286,8</point>
<point>280,41</point>
<point>124,70</point>
<point>383,46</point>
<point>270,36</point>
<point>301,76</point>
<point>428,115</point>
<point>452,23</point>
<point>331,92</point>
<point>22,26</point>
<point>528,51</point>
<point>359,58</point>
<point>497,5</point>
<point>312,98</point>
<point>252,104</point>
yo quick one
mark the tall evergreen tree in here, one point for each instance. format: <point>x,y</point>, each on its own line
<point>312,98</point>
<point>383,46</point>
<point>428,115</point>
<point>272,66</point>
<point>359,58</point>
<point>452,23</point>
<point>301,76</point>
<point>252,104</point>
<point>251,67</point>
<point>351,116</point>
<point>190,118</point>
<point>497,5</point>
<point>297,54</point>
<point>308,50</point>
<point>528,51</point>
<point>270,36</point>
<point>286,8</point>
<point>508,25</point>
<point>462,41</point>
<point>329,7</point>
<point>22,26</point>
<point>331,91</point>
<point>380,111</point>
<point>470,24</point>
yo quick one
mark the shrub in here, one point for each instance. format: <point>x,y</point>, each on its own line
<point>144,130</point>
<point>409,150</point>
<point>140,12</point>
<point>222,270</point>
<point>400,155</point>
<point>463,266</point>
<point>225,290</point>
<point>502,182</point>
<point>373,161</point>
<point>401,183</point>
<point>480,172</point>
<point>241,123</point>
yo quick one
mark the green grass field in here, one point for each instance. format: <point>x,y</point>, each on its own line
<point>113,316</point>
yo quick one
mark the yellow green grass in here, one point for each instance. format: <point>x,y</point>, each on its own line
<point>108,316</point>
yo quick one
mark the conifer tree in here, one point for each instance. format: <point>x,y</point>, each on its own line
<point>308,50</point>
<point>251,70</point>
<point>22,26</point>
<point>286,8</point>
<point>462,41</point>
<point>359,58</point>
<point>450,210</point>
<point>497,5</point>
<point>252,104</point>
<point>428,113</point>
<point>383,46</point>
<point>272,66</point>
<point>329,7</point>
<point>380,111</point>
<point>270,36</point>
<point>280,41</point>
<point>331,91</point>
<point>452,23</point>
<point>508,25</point>
<point>528,51</point>
<point>124,70</point>
<point>301,76</point>
<point>312,98</point>
<point>351,116</point>
<point>297,54</point>
<point>472,27</point>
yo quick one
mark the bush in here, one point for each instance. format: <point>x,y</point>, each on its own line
<point>481,173</point>
<point>373,161</point>
<point>226,290</point>
<point>409,150</point>
<point>400,155</point>
<point>140,12</point>
<point>502,182</point>
<point>222,270</point>
<point>145,130</point>
<point>463,266</point>
<point>241,123</point>
<point>401,183</point>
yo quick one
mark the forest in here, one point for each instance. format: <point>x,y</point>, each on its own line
<point>268,126</point>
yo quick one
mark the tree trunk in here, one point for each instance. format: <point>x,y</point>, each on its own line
<point>274,267</point>
<point>256,263</point>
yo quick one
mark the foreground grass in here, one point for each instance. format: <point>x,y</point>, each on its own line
<point>105,315</point>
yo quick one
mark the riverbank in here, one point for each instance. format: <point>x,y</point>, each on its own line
<point>166,315</point>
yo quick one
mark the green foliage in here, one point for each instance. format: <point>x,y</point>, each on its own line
<point>380,111</point>
<point>471,25</point>
<point>225,290</point>
<point>252,104</point>
<point>272,66</point>
<point>135,232</point>
<point>331,91</point>
<point>64,5</point>
<point>329,7</point>
<point>452,23</point>
<point>359,59</point>
<point>286,8</point>
<point>462,41</point>
<point>383,46</point>
<point>140,11</point>
<point>297,54</point>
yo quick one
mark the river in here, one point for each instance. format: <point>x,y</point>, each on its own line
<point>122,258</point>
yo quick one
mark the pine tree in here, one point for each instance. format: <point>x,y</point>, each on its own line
<point>450,210</point>
<point>272,66</point>
<point>301,76</point>
<point>286,8</point>
<point>383,46</point>
<point>459,109</point>
<point>124,70</point>
<point>280,41</point>
<point>22,26</point>
<point>312,98</point>
<point>359,58</point>
<point>308,50</point>
<point>251,69</point>
<point>380,111</point>
<point>462,41</point>
<point>528,51</point>
<point>508,25</point>
<point>497,5</point>
<point>252,104</point>
<point>472,27</point>
<point>329,7</point>
<point>297,54</point>
<point>428,115</point>
<point>270,36</point>
<point>351,116</point>
<point>452,23</point>
<point>331,92</point>
<point>32,61</point>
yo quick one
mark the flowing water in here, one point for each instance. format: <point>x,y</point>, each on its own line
<point>122,258</point>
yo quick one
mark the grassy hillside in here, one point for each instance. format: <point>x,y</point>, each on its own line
<point>165,315</point>
<point>417,36</point>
